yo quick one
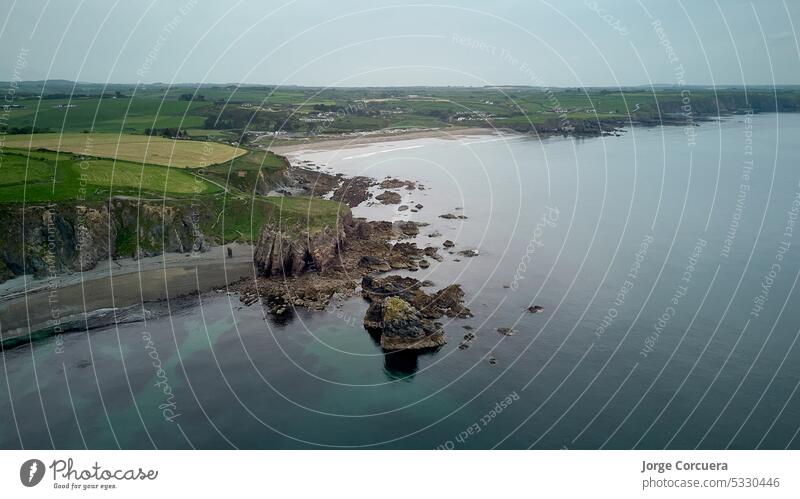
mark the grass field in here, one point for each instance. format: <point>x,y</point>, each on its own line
<point>39,177</point>
<point>133,148</point>
<point>241,218</point>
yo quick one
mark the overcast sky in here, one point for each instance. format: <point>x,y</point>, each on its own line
<point>383,42</point>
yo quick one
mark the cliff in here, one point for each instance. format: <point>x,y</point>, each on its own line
<point>55,238</point>
<point>284,249</point>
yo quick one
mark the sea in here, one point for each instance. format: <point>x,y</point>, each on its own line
<point>666,261</point>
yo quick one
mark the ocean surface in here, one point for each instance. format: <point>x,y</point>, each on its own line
<point>666,263</point>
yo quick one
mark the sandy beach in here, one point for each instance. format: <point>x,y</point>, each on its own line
<point>289,146</point>
<point>112,287</point>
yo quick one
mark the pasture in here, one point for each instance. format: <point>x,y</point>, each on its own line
<point>42,176</point>
<point>132,148</point>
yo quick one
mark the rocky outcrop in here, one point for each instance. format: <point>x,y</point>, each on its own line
<point>396,183</point>
<point>294,251</point>
<point>402,326</point>
<point>403,314</point>
<point>389,197</point>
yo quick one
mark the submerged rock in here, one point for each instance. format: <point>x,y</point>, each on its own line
<point>506,331</point>
<point>450,216</point>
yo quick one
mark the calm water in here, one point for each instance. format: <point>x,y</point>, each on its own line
<point>686,341</point>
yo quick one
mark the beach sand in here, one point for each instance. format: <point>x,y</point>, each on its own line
<point>350,141</point>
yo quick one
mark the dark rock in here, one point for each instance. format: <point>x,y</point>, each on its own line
<point>418,206</point>
<point>373,263</point>
<point>450,216</point>
<point>468,253</point>
<point>389,197</point>
<point>536,309</point>
<point>435,233</point>
<point>394,183</point>
<point>448,244</point>
<point>403,327</point>
<point>506,331</point>
<point>407,229</point>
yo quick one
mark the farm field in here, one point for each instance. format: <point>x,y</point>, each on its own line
<point>43,176</point>
<point>133,148</point>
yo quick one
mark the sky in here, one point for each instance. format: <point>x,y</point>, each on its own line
<point>551,43</point>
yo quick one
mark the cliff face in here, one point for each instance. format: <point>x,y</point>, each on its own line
<point>50,239</point>
<point>283,251</point>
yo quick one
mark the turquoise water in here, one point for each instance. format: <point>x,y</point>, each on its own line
<point>667,270</point>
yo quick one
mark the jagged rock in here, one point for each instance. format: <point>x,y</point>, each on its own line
<point>389,197</point>
<point>394,183</point>
<point>407,229</point>
<point>447,301</point>
<point>295,251</point>
<point>373,263</point>
<point>402,326</point>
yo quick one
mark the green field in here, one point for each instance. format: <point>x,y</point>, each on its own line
<point>223,112</point>
<point>134,148</point>
<point>43,176</point>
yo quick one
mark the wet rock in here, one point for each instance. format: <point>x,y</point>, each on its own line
<point>450,216</point>
<point>353,191</point>
<point>373,263</point>
<point>492,360</point>
<point>394,183</point>
<point>423,264</point>
<point>468,253</point>
<point>506,331</point>
<point>402,207</point>
<point>435,233</point>
<point>536,309</point>
<point>406,229</point>
<point>418,206</point>
<point>448,244</point>
<point>389,197</point>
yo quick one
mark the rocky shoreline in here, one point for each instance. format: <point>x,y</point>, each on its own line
<point>297,269</point>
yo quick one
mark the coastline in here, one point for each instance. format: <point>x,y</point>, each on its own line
<point>365,139</point>
<point>120,291</point>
